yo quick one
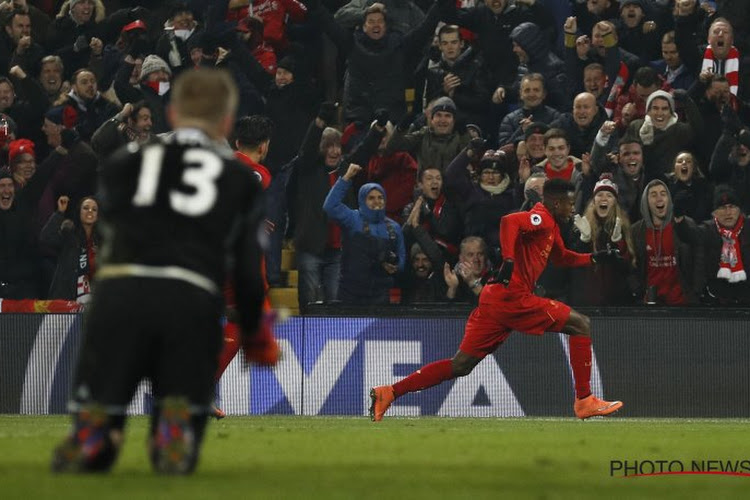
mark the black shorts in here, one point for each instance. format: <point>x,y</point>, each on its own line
<point>162,329</point>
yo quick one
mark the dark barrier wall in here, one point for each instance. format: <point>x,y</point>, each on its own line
<point>661,363</point>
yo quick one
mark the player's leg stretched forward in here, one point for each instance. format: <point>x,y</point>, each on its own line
<point>586,405</point>
<point>429,375</point>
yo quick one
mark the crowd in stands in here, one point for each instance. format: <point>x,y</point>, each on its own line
<point>452,114</point>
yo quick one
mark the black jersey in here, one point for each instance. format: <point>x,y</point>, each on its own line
<point>183,208</point>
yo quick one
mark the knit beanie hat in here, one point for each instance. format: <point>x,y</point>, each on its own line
<point>493,160</point>
<point>444,104</point>
<point>65,115</point>
<point>625,3</point>
<point>725,195</point>
<point>663,95</point>
<point>605,183</point>
<point>536,128</point>
<point>19,147</point>
<point>152,64</point>
<point>288,63</point>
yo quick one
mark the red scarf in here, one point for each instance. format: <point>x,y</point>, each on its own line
<point>437,209</point>
<point>730,262</point>
<point>730,69</point>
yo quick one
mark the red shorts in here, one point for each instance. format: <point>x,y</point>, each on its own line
<point>491,323</point>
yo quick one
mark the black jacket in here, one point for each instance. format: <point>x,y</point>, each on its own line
<point>377,70</point>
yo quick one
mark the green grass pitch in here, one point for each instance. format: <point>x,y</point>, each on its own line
<point>350,458</point>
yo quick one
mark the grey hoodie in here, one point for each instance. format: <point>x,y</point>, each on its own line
<point>646,211</point>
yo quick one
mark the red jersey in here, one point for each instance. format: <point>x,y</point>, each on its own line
<point>662,271</point>
<point>530,239</point>
<point>261,172</point>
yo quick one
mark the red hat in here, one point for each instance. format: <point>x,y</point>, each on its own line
<point>19,147</point>
<point>605,183</point>
<point>135,25</point>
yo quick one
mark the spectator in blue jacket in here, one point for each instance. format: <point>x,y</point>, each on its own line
<point>373,245</point>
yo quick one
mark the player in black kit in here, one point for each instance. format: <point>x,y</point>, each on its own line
<point>179,216</point>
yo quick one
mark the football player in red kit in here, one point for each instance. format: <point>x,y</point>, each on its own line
<point>506,303</point>
<point>252,137</point>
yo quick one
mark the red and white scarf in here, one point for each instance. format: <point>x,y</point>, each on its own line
<point>623,75</point>
<point>731,69</point>
<point>730,262</point>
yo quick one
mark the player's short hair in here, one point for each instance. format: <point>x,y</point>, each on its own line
<point>557,188</point>
<point>204,94</point>
<point>252,131</point>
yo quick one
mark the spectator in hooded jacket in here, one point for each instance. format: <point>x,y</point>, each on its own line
<point>396,171</point>
<point>665,265</point>
<point>726,248</point>
<point>372,244</point>
<point>493,21</point>
<point>535,56</point>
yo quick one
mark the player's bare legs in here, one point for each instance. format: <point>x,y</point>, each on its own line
<point>578,327</point>
<point>429,375</point>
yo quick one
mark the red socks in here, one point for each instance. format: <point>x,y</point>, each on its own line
<point>230,348</point>
<point>580,361</point>
<point>425,377</point>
